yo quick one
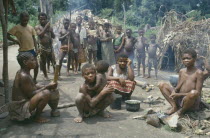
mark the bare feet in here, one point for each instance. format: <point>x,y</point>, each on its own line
<point>105,114</point>
<point>75,72</point>
<point>78,119</point>
<point>172,110</point>
<point>148,77</point>
<point>41,120</point>
<point>55,113</point>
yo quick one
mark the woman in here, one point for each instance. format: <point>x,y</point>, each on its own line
<point>118,42</point>
<point>121,77</point>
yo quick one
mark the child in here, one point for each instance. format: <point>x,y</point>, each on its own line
<point>118,42</point>
<point>25,35</point>
<point>107,50</point>
<point>101,81</point>
<point>27,97</point>
<point>140,51</point>
<point>65,47</point>
<point>129,42</point>
<point>45,36</point>
<point>89,102</point>
<point>152,56</point>
<point>92,42</point>
<point>75,40</point>
<point>187,94</point>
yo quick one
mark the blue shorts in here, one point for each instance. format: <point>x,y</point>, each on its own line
<point>31,51</point>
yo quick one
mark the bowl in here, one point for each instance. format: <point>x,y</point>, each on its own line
<point>174,80</point>
<point>132,105</point>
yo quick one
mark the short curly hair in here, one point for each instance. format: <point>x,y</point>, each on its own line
<point>23,56</point>
<point>191,52</point>
<point>102,66</point>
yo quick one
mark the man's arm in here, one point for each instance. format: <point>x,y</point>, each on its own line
<point>63,36</point>
<point>35,43</point>
<point>180,82</point>
<point>40,32</point>
<point>130,71</point>
<point>12,39</point>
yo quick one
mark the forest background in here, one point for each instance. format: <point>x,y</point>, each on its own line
<point>138,12</point>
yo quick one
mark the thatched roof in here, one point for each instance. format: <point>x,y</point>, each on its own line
<point>183,35</point>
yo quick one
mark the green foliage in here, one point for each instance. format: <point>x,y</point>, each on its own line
<point>105,13</point>
<point>196,15</point>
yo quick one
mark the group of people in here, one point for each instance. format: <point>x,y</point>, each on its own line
<point>113,74</point>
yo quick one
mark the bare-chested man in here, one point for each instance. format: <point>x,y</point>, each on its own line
<point>65,45</point>
<point>152,55</point>
<point>140,51</point>
<point>129,42</point>
<point>75,41</point>
<point>45,36</point>
<point>28,97</point>
<point>187,94</point>
<point>88,102</point>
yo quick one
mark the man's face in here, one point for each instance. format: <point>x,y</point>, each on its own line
<point>188,60</point>
<point>42,20</point>
<point>128,33</point>
<point>73,27</point>
<point>119,30</point>
<point>141,33</point>
<point>122,62</point>
<point>79,20</point>
<point>89,75</point>
<point>30,63</point>
<point>24,20</point>
<point>66,24</point>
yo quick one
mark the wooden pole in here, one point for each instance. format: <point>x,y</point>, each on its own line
<point>5,52</point>
<point>123,6</point>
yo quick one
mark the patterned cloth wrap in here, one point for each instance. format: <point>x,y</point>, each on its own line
<point>128,88</point>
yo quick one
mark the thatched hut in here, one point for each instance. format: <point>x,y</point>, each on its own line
<point>186,34</point>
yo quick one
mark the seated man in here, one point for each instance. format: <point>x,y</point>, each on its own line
<point>27,97</point>
<point>121,77</point>
<point>91,102</point>
<point>187,94</point>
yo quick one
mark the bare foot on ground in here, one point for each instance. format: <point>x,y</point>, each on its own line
<point>78,119</point>
<point>41,120</point>
<point>105,114</point>
<point>55,113</point>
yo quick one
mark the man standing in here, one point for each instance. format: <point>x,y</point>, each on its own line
<point>45,36</point>
<point>25,35</point>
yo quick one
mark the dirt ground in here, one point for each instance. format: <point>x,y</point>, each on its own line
<point>121,124</point>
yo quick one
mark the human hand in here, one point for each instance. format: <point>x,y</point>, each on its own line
<point>122,82</point>
<point>129,62</point>
<point>108,89</point>
<point>51,85</point>
<point>174,95</point>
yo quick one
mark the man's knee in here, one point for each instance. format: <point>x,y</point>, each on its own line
<point>80,97</point>
<point>46,94</point>
<point>193,94</point>
<point>161,85</point>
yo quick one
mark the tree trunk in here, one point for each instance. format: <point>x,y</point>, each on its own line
<point>5,52</point>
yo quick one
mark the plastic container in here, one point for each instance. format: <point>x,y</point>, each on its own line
<point>117,102</point>
<point>174,80</point>
<point>132,105</point>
